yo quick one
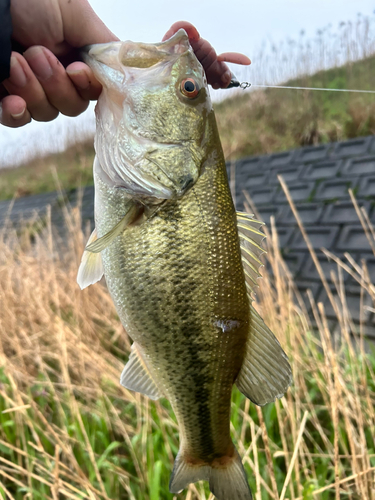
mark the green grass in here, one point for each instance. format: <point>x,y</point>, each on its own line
<point>111,454</point>
<point>114,458</point>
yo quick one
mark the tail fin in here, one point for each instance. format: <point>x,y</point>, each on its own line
<point>227,482</point>
<point>230,483</point>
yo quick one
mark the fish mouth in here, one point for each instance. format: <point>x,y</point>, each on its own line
<point>122,68</point>
<point>128,54</point>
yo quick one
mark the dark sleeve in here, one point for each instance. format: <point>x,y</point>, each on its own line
<point>5,39</point>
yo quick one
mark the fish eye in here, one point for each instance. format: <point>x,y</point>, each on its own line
<point>189,88</point>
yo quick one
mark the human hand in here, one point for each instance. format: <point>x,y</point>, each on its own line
<point>40,86</point>
<point>217,72</point>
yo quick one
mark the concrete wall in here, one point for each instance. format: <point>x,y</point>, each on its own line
<point>318,178</point>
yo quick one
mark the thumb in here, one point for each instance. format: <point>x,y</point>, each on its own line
<point>81,24</point>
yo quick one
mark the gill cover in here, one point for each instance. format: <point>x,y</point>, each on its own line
<point>151,116</point>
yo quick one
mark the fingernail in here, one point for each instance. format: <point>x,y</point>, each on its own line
<point>17,75</point>
<point>39,63</point>
<point>80,78</point>
<point>18,116</point>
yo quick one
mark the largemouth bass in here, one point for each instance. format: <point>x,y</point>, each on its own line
<point>179,262</point>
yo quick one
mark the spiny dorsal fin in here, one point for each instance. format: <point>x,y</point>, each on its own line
<point>136,376</point>
<point>251,248</point>
<point>265,373</point>
<point>91,268</point>
<point>102,242</point>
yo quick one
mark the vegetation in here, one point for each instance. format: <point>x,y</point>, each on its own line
<point>69,430</point>
<point>74,168</point>
<point>262,122</point>
<point>266,121</point>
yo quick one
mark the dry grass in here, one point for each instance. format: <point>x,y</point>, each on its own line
<point>69,430</point>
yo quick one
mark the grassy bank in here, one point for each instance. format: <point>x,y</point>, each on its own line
<point>261,121</point>
<point>73,166</point>
<point>267,121</point>
<point>69,430</point>
<point>250,123</point>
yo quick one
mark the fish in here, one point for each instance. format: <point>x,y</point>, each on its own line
<point>179,262</point>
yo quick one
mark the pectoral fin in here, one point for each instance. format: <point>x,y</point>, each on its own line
<point>91,268</point>
<point>136,375</point>
<point>266,373</point>
<point>102,242</point>
<point>251,250</point>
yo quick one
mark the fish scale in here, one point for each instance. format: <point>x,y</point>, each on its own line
<point>179,263</point>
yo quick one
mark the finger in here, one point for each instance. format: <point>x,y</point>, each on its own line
<point>234,57</point>
<point>191,31</point>
<point>56,84</point>
<point>84,80</point>
<point>217,72</point>
<point>14,112</point>
<point>23,83</point>
<point>219,75</point>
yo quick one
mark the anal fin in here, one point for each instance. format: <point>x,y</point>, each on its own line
<point>136,375</point>
<point>265,373</point>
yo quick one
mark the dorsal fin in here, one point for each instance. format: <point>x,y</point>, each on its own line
<point>251,248</point>
<point>265,373</point>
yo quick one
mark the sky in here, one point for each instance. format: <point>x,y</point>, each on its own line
<point>229,25</point>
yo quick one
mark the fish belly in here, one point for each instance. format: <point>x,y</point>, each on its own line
<point>178,286</point>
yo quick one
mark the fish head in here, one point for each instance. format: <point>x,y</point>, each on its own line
<point>152,116</point>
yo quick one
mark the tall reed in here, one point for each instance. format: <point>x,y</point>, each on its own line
<point>69,430</point>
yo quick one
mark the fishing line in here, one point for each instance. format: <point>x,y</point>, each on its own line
<point>246,85</point>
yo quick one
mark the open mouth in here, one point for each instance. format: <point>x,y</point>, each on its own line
<point>136,55</point>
